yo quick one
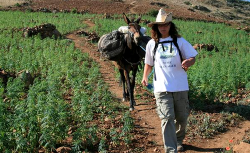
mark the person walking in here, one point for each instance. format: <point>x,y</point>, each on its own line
<point>171,55</point>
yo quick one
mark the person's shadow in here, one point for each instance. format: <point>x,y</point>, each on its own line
<point>207,105</point>
<point>197,149</point>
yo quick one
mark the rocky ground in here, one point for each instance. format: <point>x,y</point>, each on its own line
<point>207,10</point>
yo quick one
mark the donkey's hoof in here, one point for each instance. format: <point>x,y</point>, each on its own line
<point>131,109</point>
<point>134,103</point>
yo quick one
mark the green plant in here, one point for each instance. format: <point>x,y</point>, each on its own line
<point>152,13</point>
<point>187,3</point>
<point>246,137</point>
<point>62,92</point>
<point>17,5</point>
<point>65,91</point>
<point>74,10</point>
<point>248,86</point>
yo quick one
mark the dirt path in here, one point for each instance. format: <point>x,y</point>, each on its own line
<point>147,136</point>
<point>147,123</point>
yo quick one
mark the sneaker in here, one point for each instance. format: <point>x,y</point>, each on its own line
<point>180,148</point>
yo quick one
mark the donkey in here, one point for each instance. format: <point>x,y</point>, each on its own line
<point>131,59</point>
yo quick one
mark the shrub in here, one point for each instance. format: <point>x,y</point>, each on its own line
<point>17,5</point>
<point>74,10</point>
<point>187,3</point>
<point>152,12</point>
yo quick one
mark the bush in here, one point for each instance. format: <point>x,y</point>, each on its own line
<point>74,10</point>
<point>153,13</point>
<point>17,5</point>
<point>187,3</point>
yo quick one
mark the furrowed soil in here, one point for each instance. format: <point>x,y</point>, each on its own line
<point>147,132</point>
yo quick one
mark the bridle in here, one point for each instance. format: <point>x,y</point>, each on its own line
<point>136,27</point>
<point>131,34</point>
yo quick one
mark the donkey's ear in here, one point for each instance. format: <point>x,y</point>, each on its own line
<point>126,19</point>
<point>138,20</point>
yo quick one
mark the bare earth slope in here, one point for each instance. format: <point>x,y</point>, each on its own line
<point>209,10</point>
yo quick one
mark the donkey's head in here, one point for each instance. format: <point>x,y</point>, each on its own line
<point>134,33</point>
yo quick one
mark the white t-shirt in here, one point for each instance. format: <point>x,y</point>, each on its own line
<point>170,76</point>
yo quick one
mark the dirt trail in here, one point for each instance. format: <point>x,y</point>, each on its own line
<point>146,120</point>
<point>147,134</point>
<point>147,123</point>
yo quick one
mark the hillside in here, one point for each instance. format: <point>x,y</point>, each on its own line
<point>209,10</point>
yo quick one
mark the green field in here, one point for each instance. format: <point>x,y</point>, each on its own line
<point>51,93</point>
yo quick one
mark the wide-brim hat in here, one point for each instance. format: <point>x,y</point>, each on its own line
<point>162,18</point>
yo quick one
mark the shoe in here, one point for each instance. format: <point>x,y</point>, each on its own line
<point>180,148</point>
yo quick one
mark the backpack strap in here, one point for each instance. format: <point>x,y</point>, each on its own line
<point>177,46</point>
<point>155,48</point>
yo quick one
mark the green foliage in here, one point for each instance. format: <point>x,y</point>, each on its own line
<point>74,10</point>
<point>248,86</point>
<point>127,128</point>
<point>187,3</point>
<point>246,137</point>
<point>64,22</point>
<point>17,5</point>
<point>152,13</point>
<point>105,26</point>
<point>66,92</point>
<point>102,146</point>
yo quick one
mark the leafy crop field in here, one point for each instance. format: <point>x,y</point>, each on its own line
<point>52,95</point>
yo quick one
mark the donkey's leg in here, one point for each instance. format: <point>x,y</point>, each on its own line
<point>122,77</point>
<point>131,107</point>
<point>133,84</point>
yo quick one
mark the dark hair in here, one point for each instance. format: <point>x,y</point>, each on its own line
<point>156,35</point>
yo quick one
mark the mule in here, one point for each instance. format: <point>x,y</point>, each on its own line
<point>131,59</point>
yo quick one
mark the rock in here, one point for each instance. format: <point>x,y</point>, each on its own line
<point>45,30</point>
<point>208,47</point>
<point>201,8</point>
<point>63,150</point>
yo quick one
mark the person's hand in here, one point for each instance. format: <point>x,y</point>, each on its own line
<point>185,68</point>
<point>187,63</point>
<point>144,82</point>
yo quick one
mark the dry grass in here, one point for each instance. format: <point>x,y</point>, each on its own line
<point>4,3</point>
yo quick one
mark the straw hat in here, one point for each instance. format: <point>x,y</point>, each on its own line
<point>162,18</point>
